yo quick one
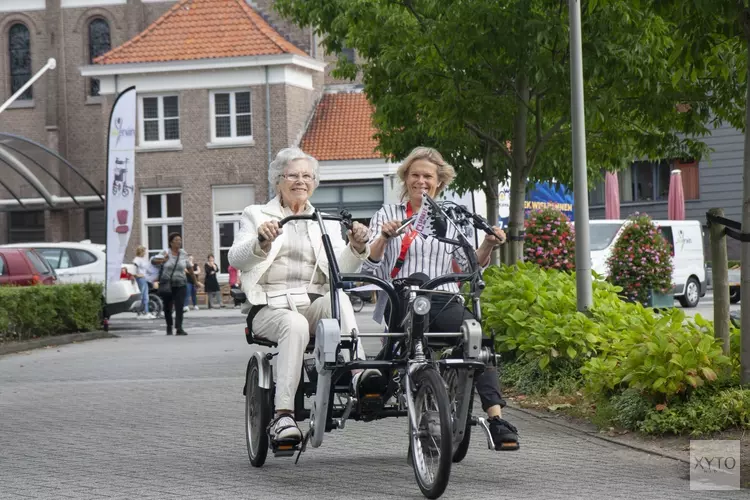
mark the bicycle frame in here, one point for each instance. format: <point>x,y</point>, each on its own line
<point>404,326</point>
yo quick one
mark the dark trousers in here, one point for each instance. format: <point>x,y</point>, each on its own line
<point>446,315</point>
<point>177,300</point>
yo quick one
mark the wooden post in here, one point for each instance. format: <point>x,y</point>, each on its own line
<point>720,277</point>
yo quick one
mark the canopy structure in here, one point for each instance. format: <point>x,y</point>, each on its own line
<point>54,183</point>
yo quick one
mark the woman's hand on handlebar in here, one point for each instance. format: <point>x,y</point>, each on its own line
<point>390,229</point>
<point>267,234</point>
<point>497,239</point>
<point>359,235</point>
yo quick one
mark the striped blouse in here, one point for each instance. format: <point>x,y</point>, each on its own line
<point>425,255</point>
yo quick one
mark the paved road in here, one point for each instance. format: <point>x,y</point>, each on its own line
<point>706,306</point>
<point>147,416</point>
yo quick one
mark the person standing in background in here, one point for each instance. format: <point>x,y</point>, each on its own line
<point>192,286</point>
<point>142,265</point>
<point>213,291</point>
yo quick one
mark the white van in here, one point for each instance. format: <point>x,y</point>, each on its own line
<point>688,260</point>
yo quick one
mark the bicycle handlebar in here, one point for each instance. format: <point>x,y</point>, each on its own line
<point>345,218</point>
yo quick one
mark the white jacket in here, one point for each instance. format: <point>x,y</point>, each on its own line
<point>252,266</point>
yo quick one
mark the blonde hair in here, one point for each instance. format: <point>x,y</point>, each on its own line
<point>445,172</point>
<point>140,251</point>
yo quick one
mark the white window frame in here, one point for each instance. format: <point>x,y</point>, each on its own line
<point>163,221</point>
<point>234,139</point>
<point>161,143</point>
<point>224,218</point>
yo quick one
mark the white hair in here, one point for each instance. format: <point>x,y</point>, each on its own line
<point>283,159</point>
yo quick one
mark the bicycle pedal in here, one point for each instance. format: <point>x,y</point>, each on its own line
<point>371,403</point>
<point>284,449</point>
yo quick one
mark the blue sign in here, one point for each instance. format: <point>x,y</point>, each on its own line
<point>542,195</point>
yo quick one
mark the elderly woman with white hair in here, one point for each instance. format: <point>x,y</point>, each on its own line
<point>290,264</point>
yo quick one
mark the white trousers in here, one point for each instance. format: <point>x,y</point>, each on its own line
<point>292,331</point>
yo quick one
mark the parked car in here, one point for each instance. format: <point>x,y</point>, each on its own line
<point>685,238</point>
<point>735,278</point>
<point>86,262</point>
<point>23,267</point>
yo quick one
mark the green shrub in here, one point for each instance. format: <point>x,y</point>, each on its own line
<point>549,241</point>
<point>40,311</point>
<point>630,407</point>
<point>641,260</point>
<point>661,356</point>
<point>619,345</point>
<point>528,378</point>
<point>703,413</point>
<point>533,312</point>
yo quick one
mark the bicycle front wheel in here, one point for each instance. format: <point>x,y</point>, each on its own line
<point>432,441</point>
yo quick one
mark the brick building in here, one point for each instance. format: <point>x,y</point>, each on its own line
<point>222,85</point>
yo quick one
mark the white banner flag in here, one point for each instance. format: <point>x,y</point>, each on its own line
<point>120,180</point>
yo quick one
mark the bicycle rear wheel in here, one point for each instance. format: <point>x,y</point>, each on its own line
<point>432,441</point>
<point>357,302</point>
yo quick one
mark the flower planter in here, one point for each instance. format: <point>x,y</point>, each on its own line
<point>660,300</point>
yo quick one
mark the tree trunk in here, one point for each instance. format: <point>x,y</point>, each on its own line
<point>720,275</point>
<point>745,272</point>
<point>518,169</point>
<point>490,188</point>
<point>516,223</point>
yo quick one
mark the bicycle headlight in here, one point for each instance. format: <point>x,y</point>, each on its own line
<point>421,305</point>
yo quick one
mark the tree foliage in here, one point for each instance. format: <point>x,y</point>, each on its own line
<point>489,81</point>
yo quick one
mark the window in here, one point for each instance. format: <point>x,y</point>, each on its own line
<point>690,178</point>
<point>231,117</point>
<point>58,258</point>
<point>666,232</point>
<point>229,202</point>
<point>2,265</point>
<point>647,181</point>
<point>362,200</point>
<point>99,43</point>
<point>161,215</point>
<point>25,227</point>
<point>39,264</point>
<point>348,54</point>
<point>20,59</point>
<point>96,225</point>
<point>82,257</point>
<point>160,120</point>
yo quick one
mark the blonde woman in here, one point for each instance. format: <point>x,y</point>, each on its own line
<point>142,265</point>
<point>400,255</point>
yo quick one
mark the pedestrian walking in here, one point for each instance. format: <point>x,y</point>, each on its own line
<point>192,285</point>
<point>142,266</point>
<point>173,276</point>
<point>213,291</point>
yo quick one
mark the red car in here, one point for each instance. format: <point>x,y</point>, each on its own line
<point>24,266</point>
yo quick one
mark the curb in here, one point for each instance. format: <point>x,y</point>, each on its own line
<point>554,419</point>
<point>26,345</point>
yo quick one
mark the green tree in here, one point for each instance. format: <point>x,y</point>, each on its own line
<point>711,51</point>
<point>488,81</point>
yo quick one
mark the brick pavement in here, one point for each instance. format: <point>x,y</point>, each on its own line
<point>149,416</point>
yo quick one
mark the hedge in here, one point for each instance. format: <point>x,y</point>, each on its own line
<point>42,311</point>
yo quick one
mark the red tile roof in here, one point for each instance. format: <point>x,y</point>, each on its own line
<point>202,29</point>
<point>341,129</point>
